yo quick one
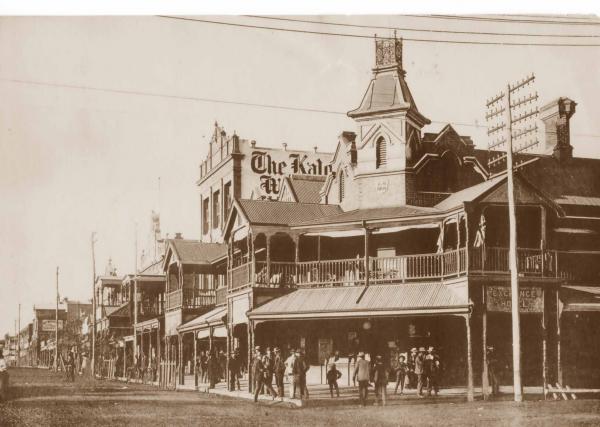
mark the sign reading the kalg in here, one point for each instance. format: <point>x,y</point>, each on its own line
<point>530,299</point>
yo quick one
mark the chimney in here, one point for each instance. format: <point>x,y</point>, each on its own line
<point>556,116</point>
<point>178,236</point>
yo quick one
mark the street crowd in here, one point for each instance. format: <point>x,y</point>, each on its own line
<point>421,371</point>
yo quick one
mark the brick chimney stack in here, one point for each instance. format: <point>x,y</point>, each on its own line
<point>556,116</point>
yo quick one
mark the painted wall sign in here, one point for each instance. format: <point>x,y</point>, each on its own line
<point>50,325</point>
<point>272,166</point>
<point>530,299</point>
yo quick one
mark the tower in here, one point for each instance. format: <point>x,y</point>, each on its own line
<point>389,130</point>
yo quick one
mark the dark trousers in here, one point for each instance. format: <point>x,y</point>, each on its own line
<point>400,381</point>
<point>493,379</point>
<point>363,391</point>
<point>279,384</point>
<point>332,386</point>
<point>259,383</point>
<point>432,384</point>
<point>234,379</point>
<point>420,382</point>
<point>300,385</point>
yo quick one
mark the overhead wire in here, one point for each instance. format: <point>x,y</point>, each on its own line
<point>505,20</point>
<point>362,36</point>
<point>221,101</point>
<point>425,30</point>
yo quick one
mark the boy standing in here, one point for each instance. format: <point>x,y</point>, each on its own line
<point>333,375</point>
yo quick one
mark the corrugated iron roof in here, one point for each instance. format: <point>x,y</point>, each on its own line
<point>578,200</point>
<point>307,187</point>
<point>372,214</point>
<point>468,194</point>
<point>321,302</point>
<point>284,213</point>
<point>197,252</point>
<point>203,321</point>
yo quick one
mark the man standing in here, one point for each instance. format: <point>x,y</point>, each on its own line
<point>432,369</point>
<point>268,365</point>
<point>299,370</point>
<point>412,377</point>
<point>258,374</point>
<point>361,374</point>
<point>289,369</point>
<point>420,370</point>
<point>3,377</point>
<point>279,370</point>
<point>234,372</point>
<point>380,377</point>
<point>492,365</point>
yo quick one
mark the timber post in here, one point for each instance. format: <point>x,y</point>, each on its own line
<point>470,395</point>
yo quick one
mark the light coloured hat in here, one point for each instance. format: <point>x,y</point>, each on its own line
<point>413,350</point>
<point>361,354</point>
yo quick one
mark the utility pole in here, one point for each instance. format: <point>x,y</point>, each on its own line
<point>515,141</point>
<point>56,328</point>
<point>93,240</point>
<point>19,339</point>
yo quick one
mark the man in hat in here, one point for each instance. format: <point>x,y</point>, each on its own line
<point>258,375</point>
<point>362,375</point>
<point>299,370</point>
<point>234,371</point>
<point>380,377</point>
<point>412,377</point>
<point>289,370</point>
<point>432,370</point>
<point>420,370</point>
<point>279,371</point>
<point>492,366</point>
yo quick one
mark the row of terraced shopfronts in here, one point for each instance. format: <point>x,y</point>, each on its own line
<point>398,239</point>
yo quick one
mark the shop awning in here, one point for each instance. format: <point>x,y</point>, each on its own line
<point>211,318</point>
<point>580,298</point>
<point>378,300</point>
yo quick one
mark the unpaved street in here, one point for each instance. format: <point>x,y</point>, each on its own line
<point>39,397</point>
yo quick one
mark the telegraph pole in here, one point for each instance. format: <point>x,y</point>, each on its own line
<point>510,112</point>
<point>56,328</point>
<point>93,240</point>
<point>19,339</point>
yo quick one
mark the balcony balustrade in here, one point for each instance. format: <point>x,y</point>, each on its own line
<point>189,298</point>
<point>579,266</point>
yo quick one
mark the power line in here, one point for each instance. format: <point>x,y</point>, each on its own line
<point>509,20</point>
<point>275,18</point>
<point>362,36</point>
<point>221,101</point>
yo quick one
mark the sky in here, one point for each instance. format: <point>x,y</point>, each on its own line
<point>76,160</point>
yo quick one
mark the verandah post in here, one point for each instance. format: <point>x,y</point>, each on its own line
<point>470,395</point>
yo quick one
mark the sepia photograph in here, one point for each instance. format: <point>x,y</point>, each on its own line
<point>300,218</point>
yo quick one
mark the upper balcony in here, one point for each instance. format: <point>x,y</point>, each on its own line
<point>190,299</point>
<point>575,266</point>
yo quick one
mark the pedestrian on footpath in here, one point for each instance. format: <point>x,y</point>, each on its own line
<point>412,377</point>
<point>3,377</point>
<point>492,365</point>
<point>420,370</point>
<point>258,374</point>
<point>299,369</point>
<point>401,370</point>
<point>432,369</point>
<point>362,375</point>
<point>380,377</point>
<point>333,375</point>
<point>289,370</point>
<point>279,370</point>
<point>234,372</point>
<point>213,370</point>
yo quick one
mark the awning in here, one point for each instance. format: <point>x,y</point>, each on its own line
<point>580,298</point>
<point>213,317</point>
<point>378,300</point>
<point>341,233</point>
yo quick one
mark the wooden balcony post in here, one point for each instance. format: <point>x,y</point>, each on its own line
<point>457,244</point>
<point>470,395</point>
<point>195,358</point>
<point>543,238</point>
<point>367,273</point>
<point>296,274</point>
<point>268,259</point>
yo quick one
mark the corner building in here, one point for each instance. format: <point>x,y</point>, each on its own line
<point>405,244</point>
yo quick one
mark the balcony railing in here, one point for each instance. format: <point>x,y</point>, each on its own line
<point>190,298</point>
<point>150,310</point>
<point>221,296</point>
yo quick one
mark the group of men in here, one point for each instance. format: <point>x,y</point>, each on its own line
<point>272,364</point>
<point>423,369</point>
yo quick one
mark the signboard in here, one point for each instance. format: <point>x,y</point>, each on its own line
<point>325,349</point>
<point>530,299</point>
<point>50,325</point>
<point>271,167</point>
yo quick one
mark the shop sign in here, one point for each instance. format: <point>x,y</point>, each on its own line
<point>272,166</point>
<point>50,325</point>
<point>530,299</point>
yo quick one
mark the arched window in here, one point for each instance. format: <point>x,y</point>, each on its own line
<point>342,185</point>
<point>380,152</point>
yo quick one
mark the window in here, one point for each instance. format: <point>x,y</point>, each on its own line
<point>205,216</point>
<point>342,185</point>
<point>380,152</point>
<point>216,211</point>
<point>227,198</point>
